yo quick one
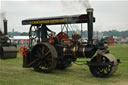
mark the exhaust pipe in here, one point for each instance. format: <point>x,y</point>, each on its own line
<point>5,27</point>
<point>90,25</point>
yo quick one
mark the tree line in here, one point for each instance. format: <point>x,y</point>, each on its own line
<point>83,33</point>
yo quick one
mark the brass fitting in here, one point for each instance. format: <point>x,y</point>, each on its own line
<point>90,10</point>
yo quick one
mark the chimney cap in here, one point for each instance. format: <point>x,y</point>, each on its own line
<point>5,20</point>
<point>90,9</point>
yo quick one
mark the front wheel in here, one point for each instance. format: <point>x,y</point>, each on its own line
<point>103,65</point>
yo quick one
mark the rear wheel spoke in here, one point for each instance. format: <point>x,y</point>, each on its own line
<point>47,53</point>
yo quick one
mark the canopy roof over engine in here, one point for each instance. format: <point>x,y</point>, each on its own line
<point>81,18</point>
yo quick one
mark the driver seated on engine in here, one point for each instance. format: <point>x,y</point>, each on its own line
<point>44,32</point>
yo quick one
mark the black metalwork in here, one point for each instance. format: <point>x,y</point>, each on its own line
<point>5,27</point>
<point>7,49</point>
<point>90,26</point>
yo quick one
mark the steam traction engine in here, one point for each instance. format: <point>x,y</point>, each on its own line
<point>7,49</point>
<point>60,51</point>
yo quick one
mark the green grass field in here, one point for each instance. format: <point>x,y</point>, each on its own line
<point>12,73</point>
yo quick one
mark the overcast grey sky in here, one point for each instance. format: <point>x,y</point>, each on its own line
<point>110,14</point>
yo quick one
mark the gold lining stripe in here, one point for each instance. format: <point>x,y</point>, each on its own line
<point>73,51</point>
<point>48,21</point>
<point>64,50</point>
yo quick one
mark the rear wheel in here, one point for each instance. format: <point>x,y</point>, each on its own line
<point>46,55</point>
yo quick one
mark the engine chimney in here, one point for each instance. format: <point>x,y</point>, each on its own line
<point>5,27</point>
<point>90,25</point>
